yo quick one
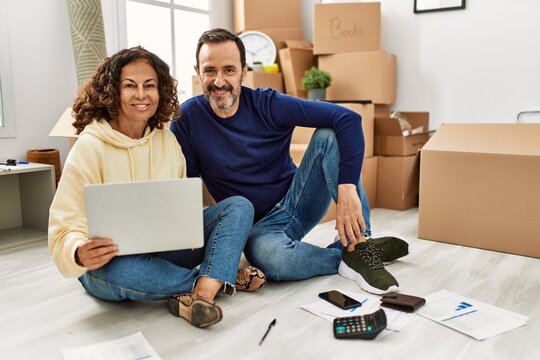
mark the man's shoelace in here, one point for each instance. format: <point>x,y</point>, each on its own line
<point>371,255</point>
<point>378,251</point>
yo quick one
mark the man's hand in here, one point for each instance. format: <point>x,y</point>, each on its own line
<point>349,220</point>
<point>95,253</point>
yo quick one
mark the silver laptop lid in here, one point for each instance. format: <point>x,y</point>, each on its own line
<point>147,216</point>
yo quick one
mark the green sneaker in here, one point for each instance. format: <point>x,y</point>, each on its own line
<point>390,247</point>
<point>365,267</point>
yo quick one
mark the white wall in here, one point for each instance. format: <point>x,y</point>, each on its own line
<point>478,65</point>
<point>43,74</point>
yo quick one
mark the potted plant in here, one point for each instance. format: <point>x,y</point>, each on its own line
<point>316,81</point>
<point>257,66</point>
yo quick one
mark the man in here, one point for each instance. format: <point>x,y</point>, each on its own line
<point>237,139</point>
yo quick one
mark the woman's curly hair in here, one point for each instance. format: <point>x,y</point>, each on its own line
<point>99,97</point>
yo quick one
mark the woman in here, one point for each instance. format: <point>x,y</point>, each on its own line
<point>120,115</point>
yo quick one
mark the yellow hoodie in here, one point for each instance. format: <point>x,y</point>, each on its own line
<point>103,155</point>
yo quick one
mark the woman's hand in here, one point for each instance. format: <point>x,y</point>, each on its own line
<point>95,253</point>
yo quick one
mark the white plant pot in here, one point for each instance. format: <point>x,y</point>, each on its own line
<point>316,94</point>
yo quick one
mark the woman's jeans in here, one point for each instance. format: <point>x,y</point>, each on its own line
<point>275,242</point>
<point>157,276</point>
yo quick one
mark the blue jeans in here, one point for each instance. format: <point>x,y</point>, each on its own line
<point>157,276</point>
<point>275,242</point>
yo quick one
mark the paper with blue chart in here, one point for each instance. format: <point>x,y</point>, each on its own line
<point>471,317</point>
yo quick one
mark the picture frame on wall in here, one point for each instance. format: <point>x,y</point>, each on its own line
<point>424,6</point>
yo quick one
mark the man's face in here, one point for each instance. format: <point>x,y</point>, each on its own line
<point>221,75</point>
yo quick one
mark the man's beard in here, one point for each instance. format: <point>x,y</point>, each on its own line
<point>231,97</point>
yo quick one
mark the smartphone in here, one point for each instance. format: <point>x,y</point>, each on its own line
<point>340,300</point>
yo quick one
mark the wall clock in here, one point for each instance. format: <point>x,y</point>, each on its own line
<point>259,47</point>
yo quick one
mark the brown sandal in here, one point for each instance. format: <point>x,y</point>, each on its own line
<point>195,309</point>
<point>249,278</point>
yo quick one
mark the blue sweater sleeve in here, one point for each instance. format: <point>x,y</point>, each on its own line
<point>286,110</point>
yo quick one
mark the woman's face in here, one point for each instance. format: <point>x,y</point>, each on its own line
<point>139,94</point>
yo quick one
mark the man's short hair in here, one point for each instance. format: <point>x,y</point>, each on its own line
<point>218,35</point>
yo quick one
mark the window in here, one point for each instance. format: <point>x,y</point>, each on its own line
<point>7,117</point>
<point>168,28</point>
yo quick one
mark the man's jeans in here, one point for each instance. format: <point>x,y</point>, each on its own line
<point>157,276</point>
<point>275,243</point>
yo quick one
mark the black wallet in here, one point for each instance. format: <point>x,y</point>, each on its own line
<point>402,302</point>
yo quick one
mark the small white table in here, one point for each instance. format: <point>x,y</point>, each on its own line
<point>26,193</point>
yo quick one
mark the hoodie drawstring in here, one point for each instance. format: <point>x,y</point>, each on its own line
<point>150,162</point>
<point>131,165</point>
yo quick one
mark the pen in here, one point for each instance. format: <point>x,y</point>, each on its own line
<point>361,303</point>
<point>267,331</point>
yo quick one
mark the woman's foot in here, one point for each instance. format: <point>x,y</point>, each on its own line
<point>195,309</point>
<point>249,278</point>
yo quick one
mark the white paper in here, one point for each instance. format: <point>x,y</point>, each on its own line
<point>396,320</point>
<point>468,316</point>
<point>132,347</point>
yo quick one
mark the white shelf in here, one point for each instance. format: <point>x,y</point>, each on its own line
<point>26,191</point>
<point>20,236</point>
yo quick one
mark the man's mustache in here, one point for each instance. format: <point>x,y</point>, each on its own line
<point>213,87</point>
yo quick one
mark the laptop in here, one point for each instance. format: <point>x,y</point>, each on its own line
<point>147,216</point>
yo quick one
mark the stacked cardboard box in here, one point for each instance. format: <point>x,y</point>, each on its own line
<point>279,19</point>
<point>347,43</point>
<point>398,162</point>
<point>346,39</point>
<point>295,59</point>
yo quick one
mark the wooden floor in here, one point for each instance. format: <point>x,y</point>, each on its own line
<point>42,312</point>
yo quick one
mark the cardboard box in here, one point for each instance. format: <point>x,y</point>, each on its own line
<point>260,14</point>
<point>389,139</point>
<point>370,179</point>
<point>479,186</point>
<point>362,76</point>
<point>254,79</point>
<point>397,187</point>
<point>295,59</point>
<point>346,27</point>
<point>281,35</point>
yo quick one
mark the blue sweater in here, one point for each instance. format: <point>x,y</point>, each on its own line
<point>248,153</point>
